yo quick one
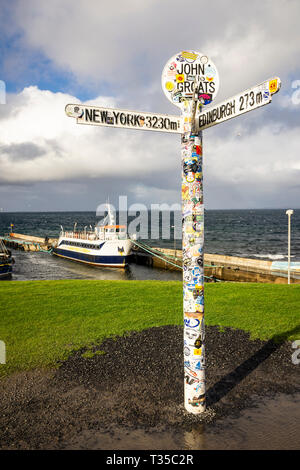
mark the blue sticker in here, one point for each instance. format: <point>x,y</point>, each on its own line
<point>191,322</point>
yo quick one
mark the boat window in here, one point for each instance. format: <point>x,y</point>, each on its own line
<point>80,244</point>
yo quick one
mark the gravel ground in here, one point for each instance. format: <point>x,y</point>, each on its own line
<point>138,384</point>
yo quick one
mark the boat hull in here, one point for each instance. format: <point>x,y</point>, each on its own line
<point>5,271</point>
<point>93,260</point>
<point>95,252</point>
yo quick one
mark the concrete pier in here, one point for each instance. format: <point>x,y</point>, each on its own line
<point>27,242</point>
<point>225,268</point>
<point>222,267</point>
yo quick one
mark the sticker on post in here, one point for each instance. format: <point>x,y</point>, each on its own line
<point>186,70</point>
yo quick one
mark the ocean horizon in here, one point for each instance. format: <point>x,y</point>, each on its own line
<point>254,233</point>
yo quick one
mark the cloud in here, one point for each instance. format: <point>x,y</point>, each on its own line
<point>124,46</point>
<point>115,51</point>
<point>24,151</point>
<point>35,124</point>
<point>39,143</point>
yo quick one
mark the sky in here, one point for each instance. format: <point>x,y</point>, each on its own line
<point>112,54</point>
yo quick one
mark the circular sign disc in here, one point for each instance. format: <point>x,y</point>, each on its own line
<point>182,71</point>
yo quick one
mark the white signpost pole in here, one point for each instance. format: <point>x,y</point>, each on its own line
<point>289,213</point>
<point>193,266</point>
<point>190,81</point>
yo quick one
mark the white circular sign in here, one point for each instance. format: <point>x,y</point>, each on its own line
<point>182,71</point>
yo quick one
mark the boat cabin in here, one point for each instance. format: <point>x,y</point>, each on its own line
<point>105,232</point>
<point>111,232</point>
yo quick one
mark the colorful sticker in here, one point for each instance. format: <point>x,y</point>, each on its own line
<point>179,78</point>
<point>191,68</point>
<point>170,86</point>
<point>189,56</point>
<point>273,85</point>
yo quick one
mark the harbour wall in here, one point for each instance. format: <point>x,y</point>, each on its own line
<point>216,267</point>
<point>222,267</point>
<point>28,242</point>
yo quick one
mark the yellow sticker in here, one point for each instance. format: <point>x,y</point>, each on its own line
<point>273,85</point>
<point>185,192</point>
<point>179,77</point>
<point>189,55</point>
<point>169,86</point>
<point>199,308</point>
<point>198,352</point>
<point>190,177</point>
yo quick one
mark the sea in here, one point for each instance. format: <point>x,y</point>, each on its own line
<point>249,233</point>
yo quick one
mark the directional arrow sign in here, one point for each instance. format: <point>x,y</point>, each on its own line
<point>252,98</point>
<point>93,115</point>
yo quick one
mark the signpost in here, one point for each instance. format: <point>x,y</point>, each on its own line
<point>190,81</point>
<point>124,118</point>
<point>289,213</point>
<point>250,99</point>
<point>191,90</point>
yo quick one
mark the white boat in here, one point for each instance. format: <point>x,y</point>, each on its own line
<point>106,245</point>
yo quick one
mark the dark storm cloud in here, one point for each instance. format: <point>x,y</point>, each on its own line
<point>23,151</point>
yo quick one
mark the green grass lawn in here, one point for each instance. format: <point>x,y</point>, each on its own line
<point>43,321</point>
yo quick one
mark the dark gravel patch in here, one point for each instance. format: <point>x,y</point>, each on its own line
<point>138,384</point>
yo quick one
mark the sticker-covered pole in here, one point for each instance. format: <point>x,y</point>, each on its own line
<point>193,262</point>
<point>189,78</point>
<point>289,213</point>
